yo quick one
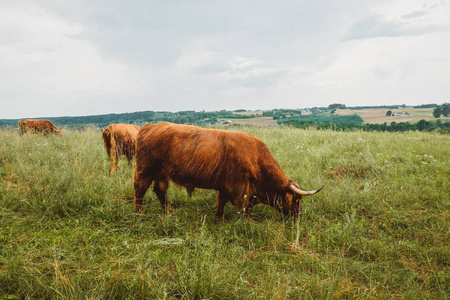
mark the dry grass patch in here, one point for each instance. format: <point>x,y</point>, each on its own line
<point>378,115</point>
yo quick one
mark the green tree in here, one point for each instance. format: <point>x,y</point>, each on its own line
<point>437,112</point>
<point>446,109</point>
<point>443,109</point>
<point>423,125</point>
<point>336,106</point>
<point>389,113</point>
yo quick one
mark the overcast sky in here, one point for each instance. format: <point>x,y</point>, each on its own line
<point>73,58</point>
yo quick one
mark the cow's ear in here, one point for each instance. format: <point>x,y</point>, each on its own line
<point>290,182</point>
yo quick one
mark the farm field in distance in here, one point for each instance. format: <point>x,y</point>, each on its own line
<point>379,229</point>
<point>369,115</point>
<point>256,121</point>
<point>378,115</point>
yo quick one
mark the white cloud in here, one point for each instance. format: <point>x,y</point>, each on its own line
<point>404,21</point>
<point>47,70</point>
<point>81,57</point>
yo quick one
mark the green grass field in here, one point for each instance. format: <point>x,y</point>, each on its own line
<point>378,230</point>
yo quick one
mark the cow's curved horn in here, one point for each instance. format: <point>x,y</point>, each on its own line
<point>304,193</point>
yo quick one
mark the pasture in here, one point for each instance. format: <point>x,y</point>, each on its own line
<point>378,115</point>
<point>378,230</point>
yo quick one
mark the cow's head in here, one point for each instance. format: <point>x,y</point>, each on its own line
<point>292,198</point>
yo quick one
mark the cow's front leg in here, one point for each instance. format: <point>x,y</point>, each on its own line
<point>244,204</point>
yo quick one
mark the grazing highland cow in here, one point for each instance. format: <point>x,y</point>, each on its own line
<point>120,140</point>
<point>38,126</point>
<point>236,164</point>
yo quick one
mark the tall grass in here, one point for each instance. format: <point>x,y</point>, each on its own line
<point>379,229</point>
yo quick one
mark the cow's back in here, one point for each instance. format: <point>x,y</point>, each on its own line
<point>125,132</point>
<point>204,158</point>
<point>122,136</point>
<point>183,154</point>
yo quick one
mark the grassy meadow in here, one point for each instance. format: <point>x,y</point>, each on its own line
<point>378,230</point>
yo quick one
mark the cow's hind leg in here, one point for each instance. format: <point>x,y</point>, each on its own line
<point>160,188</point>
<point>129,153</point>
<point>141,185</point>
<point>221,199</point>
<point>129,159</point>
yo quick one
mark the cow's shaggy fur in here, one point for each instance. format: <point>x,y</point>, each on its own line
<point>120,140</point>
<point>38,126</point>
<point>237,164</point>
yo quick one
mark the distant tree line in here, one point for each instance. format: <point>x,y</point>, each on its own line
<point>139,118</point>
<point>282,113</point>
<point>422,125</point>
<point>426,105</point>
<point>391,106</point>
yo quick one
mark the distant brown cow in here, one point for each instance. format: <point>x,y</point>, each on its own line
<point>120,140</point>
<point>236,164</point>
<point>38,126</point>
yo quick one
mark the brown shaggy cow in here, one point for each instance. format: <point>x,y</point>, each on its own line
<point>120,140</point>
<point>38,126</point>
<point>236,164</point>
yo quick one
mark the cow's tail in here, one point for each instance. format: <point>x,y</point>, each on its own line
<point>106,137</point>
<point>22,127</point>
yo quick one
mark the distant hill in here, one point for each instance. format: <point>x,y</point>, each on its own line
<point>204,118</point>
<point>182,117</point>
